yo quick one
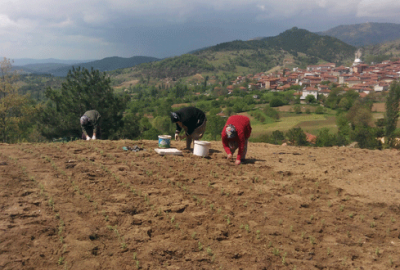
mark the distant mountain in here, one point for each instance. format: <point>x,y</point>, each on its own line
<point>40,68</point>
<point>365,33</point>
<point>296,41</point>
<point>29,61</point>
<point>292,48</point>
<point>106,64</point>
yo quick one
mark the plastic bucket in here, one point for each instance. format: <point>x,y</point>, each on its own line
<point>164,141</point>
<point>201,148</point>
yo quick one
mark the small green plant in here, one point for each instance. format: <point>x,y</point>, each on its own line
<point>284,258</point>
<point>311,217</point>
<point>280,221</point>
<point>172,219</point>
<point>351,215</point>
<point>362,218</point>
<point>341,208</point>
<point>291,228</point>
<point>134,256</point>
<point>200,246</point>
<point>377,252</point>
<point>194,235</point>
<point>247,228</point>
<point>269,244</point>
<point>212,206</point>
<point>303,234</point>
<point>392,219</point>
<point>329,251</point>
<point>275,251</point>
<point>228,221</point>
<point>209,251</point>
<point>61,261</point>
<point>372,225</point>
<point>312,240</point>
<point>258,234</point>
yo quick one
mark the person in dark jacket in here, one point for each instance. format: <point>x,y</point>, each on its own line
<point>235,134</point>
<point>192,121</point>
<point>90,123</point>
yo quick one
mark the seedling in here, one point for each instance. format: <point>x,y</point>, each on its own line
<point>341,208</point>
<point>351,215</point>
<point>200,246</point>
<point>312,240</point>
<point>209,251</point>
<point>329,251</point>
<point>194,235</point>
<point>60,260</point>
<point>258,234</point>
<point>284,258</point>
<point>134,256</point>
<point>372,225</point>
<point>275,251</point>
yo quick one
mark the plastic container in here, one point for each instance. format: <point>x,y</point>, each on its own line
<point>201,148</point>
<point>164,141</point>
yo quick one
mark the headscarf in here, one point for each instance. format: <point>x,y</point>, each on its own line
<point>175,117</point>
<point>84,120</point>
<point>231,131</point>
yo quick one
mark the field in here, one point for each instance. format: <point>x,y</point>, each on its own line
<point>91,205</point>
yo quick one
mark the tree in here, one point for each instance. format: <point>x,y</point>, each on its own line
<point>83,90</point>
<point>392,112</point>
<point>215,124</point>
<point>297,136</point>
<point>310,99</point>
<point>16,111</point>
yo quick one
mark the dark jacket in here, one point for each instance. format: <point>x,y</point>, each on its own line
<point>94,121</point>
<point>191,119</point>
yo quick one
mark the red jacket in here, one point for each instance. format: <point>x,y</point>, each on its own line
<point>243,129</point>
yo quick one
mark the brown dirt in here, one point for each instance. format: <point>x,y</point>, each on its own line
<point>91,205</point>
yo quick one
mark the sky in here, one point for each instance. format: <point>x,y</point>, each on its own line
<point>95,29</point>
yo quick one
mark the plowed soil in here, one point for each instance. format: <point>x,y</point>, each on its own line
<point>92,205</point>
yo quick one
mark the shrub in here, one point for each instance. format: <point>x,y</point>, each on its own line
<point>297,137</point>
<point>270,112</point>
<point>276,102</point>
<point>319,110</point>
<point>297,109</point>
<point>325,139</point>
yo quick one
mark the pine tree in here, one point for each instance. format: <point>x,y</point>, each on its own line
<point>82,91</point>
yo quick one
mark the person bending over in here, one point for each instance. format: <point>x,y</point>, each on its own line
<point>235,134</point>
<point>90,123</point>
<point>192,120</point>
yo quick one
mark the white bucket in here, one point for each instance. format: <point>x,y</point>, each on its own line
<point>201,148</point>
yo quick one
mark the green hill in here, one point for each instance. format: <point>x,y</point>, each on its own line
<point>292,48</point>
<point>365,33</point>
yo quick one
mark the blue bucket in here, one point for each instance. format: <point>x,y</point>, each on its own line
<point>164,141</point>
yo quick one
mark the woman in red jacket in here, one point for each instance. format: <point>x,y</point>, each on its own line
<point>235,134</point>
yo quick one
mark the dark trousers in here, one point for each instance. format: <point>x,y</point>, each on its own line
<point>90,133</point>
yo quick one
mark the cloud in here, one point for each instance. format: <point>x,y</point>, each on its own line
<point>99,28</point>
<point>381,9</point>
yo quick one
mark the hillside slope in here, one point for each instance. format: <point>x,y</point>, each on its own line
<point>365,33</point>
<point>298,47</point>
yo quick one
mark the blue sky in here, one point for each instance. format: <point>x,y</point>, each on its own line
<point>95,29</point>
